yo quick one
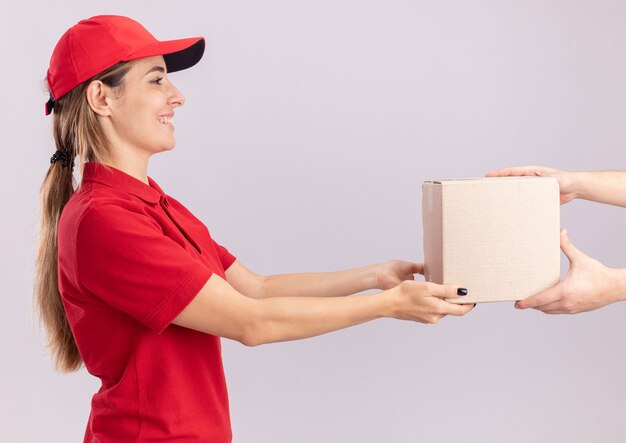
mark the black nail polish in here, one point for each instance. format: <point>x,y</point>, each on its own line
<point>461,291</point>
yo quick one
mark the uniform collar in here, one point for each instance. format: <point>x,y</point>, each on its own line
<point>112,177</point>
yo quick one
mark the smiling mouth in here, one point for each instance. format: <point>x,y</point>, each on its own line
<point>165,120</point>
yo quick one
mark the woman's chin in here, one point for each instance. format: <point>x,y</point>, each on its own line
<point>168,147</point>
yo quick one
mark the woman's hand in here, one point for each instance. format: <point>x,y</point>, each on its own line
<point>425,302</point>
<point>566,179</point>
<point>588,285</point>
<point>394,272</point>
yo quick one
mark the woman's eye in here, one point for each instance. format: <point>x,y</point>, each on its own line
<point>158,80</point>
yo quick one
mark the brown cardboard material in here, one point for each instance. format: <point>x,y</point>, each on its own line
<point>497,237</point>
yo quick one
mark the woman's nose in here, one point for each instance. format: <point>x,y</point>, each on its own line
<point>176,97</point>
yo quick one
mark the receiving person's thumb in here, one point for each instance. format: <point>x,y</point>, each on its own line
<point>568,248</point>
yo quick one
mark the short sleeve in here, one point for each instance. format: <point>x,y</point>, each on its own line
<point>225,256</point>
<point>124,258</point>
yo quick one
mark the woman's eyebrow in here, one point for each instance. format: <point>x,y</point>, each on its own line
<point>155,68</point>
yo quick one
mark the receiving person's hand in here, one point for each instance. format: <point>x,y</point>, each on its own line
<point>566,179</point>
<point>588,285</point>
<point>394,272</point>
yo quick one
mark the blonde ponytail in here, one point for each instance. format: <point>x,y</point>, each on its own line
<point>75,129</point>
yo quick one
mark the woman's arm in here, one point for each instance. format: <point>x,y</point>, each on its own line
<point>600,186</point>
<point>219,309</point>
<point>321,284</point>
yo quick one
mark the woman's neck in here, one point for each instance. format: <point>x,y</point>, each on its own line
<point>131,165</point>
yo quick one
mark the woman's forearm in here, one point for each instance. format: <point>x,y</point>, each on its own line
<point>286,318</point>
<point>321,284</point>
<point>601,186</point>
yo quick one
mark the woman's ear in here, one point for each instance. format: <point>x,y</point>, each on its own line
<point>97,98</point>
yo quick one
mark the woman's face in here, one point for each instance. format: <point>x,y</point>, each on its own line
<point>142,114</point>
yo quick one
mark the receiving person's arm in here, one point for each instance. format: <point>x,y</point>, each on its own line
<point>600,186</point>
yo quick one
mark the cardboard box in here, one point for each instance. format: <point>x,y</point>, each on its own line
<point>497,237</point>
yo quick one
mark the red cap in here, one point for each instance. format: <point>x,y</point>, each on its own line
<point>95,44</point>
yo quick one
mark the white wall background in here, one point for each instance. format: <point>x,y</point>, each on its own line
<point>308,130</point>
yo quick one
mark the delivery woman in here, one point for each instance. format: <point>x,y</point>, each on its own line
<point>131,284</point>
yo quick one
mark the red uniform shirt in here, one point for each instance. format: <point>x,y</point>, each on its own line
<point>130,260</point>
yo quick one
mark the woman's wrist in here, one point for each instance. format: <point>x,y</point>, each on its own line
<point>372,276</point>
<point>619,283</point>
<point>390,297</point>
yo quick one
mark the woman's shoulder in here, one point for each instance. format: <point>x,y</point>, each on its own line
<point>91,203</point>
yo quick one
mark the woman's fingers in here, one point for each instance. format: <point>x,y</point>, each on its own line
<point>446,291</point>
<point>442,292</point>
<point>418,268</point>
<point>456,309</point>
<point>425,302</point>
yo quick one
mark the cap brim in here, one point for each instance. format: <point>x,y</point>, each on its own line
<point>178,54</point>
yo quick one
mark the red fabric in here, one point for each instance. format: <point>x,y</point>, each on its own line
<point>95,44</point>
<point>130,260</point>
